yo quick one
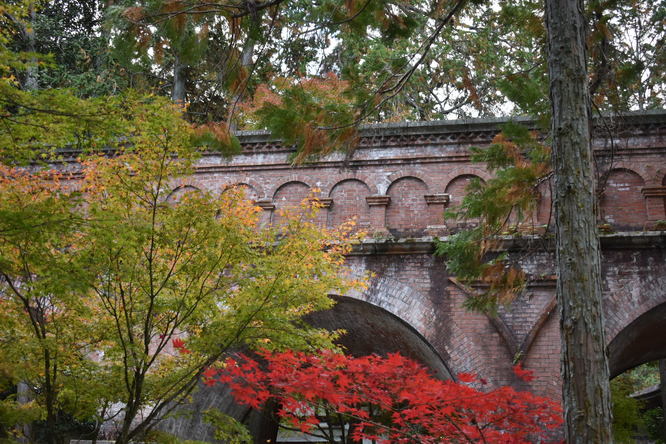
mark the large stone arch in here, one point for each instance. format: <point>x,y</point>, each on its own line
<point>381,320</point>
<point>643,340</point>
<point>422,314</point>
<point>373,329</point>
<point>635,305</point>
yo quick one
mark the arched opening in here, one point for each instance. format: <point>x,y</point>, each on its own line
<point>636,358</point>
<point>457,190</point>
<point>643,340</point>
<point>180,192</point>
<point>370,329</point>
<point>289,197</point>
<point>247,191</point>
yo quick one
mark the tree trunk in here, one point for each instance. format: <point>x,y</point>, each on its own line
<point>245,65</point>
<point>662,388</point>
<point>23,396</point>
<point>102,55</point>
<point>31,83</point>
<point>50,394</point>
<point>178,92</point>
<point>586,392</point>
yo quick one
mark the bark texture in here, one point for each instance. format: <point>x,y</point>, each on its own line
<point>662,388</point>
<point>178,93</point>
<point>584,366</point>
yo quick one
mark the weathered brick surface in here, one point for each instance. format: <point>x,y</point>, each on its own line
<point>398,184</point>
<point>622,203</point>
<point>349,202</point>
<point>407,163</point>
<point>408,209</point>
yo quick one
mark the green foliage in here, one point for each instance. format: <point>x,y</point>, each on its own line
<point>630,418</point>
<point>626,410</point>
<point>71,34</point>
<point>227,429</point>
<point>462,253</point>
<point>192,269</point>
<point>504,205</point>
<point>310,114</point>
<point>172,282</point>
<point>127,239</point>
<point>654,420</point>
<point>13,415</point>
<point>111,246</point>
<point>215,138</point>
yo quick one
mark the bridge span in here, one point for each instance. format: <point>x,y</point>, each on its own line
<point>398,183</point>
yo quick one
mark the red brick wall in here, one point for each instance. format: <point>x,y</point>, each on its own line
<point>416,287</point>
<point>248,191</point>
<point>407,206</point>
<point>622,204</point>
<point>457,189</point>
<point>663,214</point>
<point>349,202</point>
<point>289,196</point>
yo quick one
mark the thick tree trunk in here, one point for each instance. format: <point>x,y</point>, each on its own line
<point>662,388</point>
<point>586,392</point>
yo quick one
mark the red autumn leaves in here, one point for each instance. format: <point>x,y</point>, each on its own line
<point>179,345</point>
<point>389,399</point>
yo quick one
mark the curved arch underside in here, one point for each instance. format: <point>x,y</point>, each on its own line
<point>371,329</point>
<point>642,341</point>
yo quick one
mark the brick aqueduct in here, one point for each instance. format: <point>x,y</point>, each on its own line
<point>398,183</point>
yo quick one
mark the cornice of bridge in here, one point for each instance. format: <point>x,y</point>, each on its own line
<point>638,240</point>
<point>464,132</point>
<point>453,136</point>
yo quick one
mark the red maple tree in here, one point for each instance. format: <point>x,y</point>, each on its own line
<point>385,399</point>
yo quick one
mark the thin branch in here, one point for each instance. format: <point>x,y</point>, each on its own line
<point>391,91</point>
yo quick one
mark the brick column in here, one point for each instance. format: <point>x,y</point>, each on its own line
<point>268,206</point>
<point>655,202</point>
<point>378,204</point>
<point>437,203</point>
